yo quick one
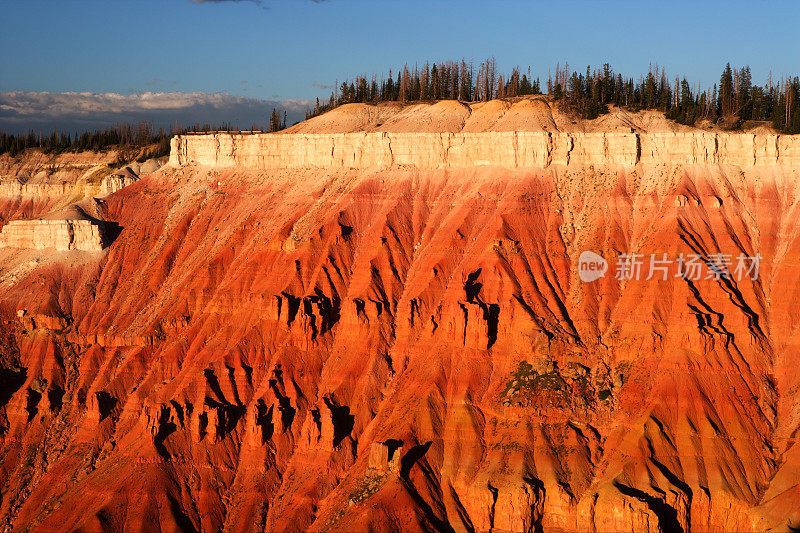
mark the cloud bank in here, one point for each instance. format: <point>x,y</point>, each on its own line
<point>71,111</point>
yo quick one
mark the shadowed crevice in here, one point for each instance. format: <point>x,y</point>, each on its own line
<point>667,516</point>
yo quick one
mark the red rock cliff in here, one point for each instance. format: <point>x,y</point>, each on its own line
<point>410,348</point>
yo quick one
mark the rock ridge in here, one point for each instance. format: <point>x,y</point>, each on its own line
<point>516,149</point>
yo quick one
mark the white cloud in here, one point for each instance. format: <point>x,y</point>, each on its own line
<point>23,110</point>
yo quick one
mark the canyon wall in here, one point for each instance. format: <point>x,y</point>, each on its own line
<point>62,235</point>
<point>115,182</point>
<point>406,349</point>
<point>429,151</point>
<point>17,189</point>
<point>39,194</point>
<point>98,181</point>
<point>50,179</point>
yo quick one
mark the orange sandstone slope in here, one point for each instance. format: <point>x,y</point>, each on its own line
<point>389,349</point>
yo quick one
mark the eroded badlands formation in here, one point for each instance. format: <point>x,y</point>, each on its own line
<point>40,197</point>
<point>281,343</point>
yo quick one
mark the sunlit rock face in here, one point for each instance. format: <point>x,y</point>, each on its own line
<point>429,151</point>
<point>389,332</point>
<point>68,229</point>
<point>60,235</point>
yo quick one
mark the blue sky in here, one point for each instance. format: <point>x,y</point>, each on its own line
<point>287,49</point>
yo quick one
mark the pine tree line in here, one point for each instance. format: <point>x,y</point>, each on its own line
<point>447,80</point>
<point>123,136</point>
<point>119,135</point>
<point>735,100</point>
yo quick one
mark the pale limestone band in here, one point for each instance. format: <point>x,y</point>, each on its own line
<point>502,149</point>
<point>62,235</point>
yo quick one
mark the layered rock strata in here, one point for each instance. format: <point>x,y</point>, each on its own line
<point>62,235</point>
<point>429,151</point>
<point>400,349</point>
<point>115,182</point>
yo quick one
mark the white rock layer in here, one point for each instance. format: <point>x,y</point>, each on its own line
<point>62,235</point>
<point>502,149</point>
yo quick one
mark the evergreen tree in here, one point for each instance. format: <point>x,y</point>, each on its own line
<point>435,82</point>
<point>525,86</point>
<point>744,96</point>
<point>650,91</point>
<point>726,91</point>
